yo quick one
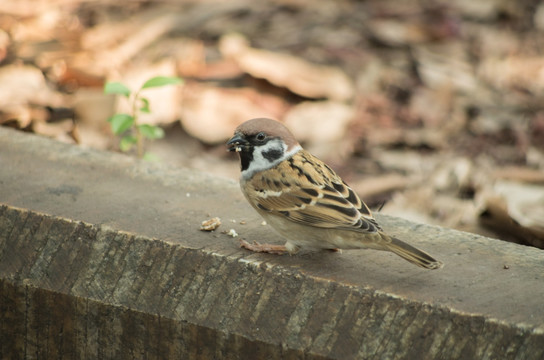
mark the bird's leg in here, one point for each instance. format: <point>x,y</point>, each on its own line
<point>263,248</point>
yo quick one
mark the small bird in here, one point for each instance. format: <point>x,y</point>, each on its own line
<point>304,200</point>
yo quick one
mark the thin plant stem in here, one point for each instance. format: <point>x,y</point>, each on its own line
<point>139,137</point>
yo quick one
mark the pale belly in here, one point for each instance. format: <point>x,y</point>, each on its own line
<point>308,237</point>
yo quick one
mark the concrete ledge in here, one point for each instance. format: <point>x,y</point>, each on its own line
<point>101,257</point>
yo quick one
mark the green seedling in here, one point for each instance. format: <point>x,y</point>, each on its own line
<point>126,125</point>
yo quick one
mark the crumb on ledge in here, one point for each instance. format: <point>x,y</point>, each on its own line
<point>210,224</point>
<point>232,233</point>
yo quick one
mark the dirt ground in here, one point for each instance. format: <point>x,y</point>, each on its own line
<point>431,111</point>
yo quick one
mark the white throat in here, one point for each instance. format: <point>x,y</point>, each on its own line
<point>260,162</point>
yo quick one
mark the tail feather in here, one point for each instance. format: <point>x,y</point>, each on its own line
<point>413,255</point>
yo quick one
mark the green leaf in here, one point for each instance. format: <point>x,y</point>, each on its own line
<point>162,81</point>
<point>145,106</point>
<point>127,142</point>
<point>151,131</point>
<point>150,157</point>
<point>116,88</point>
<point>121,123</point>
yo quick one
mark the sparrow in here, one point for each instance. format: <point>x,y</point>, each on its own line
<point>304,200</point>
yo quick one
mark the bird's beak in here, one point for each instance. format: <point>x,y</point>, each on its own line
<point>237,143</point>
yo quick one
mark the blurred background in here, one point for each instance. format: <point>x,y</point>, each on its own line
<point>431,110</point>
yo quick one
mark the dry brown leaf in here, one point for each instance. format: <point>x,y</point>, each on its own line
<point>321,126</point>
<point>23,84</point>
<point>321,121</point>
<point>514,71</point>
<point>220,70</point>
<point>395,33</point>
<point>210,114</point>
<point>524,202</point>
<point>59,130</point>
<point>93,108</point>
<point>22,87</point>
<point>496,216</point>
<point>137,35</point>
<point>434,106</point>
<point>520,174</point>
<point>30,8</point>
<point>378,186</point>
<point>42,27</point>
<point>539,17</point>
<point>445,66</point>
<point>299,76</point>
<point>71,77</point>
<point>111,32</point>
<point>407,161</point>
<point>484,10</point>
<point>413,138</point>
<point>424,204</point>
<point>113,58</point>
<point>411,205</point>
<point>5,42</point>
<point>453,175</point>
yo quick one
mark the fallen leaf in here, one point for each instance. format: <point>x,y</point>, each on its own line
<point>320,125</point>
<point>321,121</point>
<point>23,89</point>
<point>5,42</point>
<point>93,108</point>
<point>299,76</point>
<point>211,114</point>
<point>496,216</point>
<point>525,202</point>
<point>514,72</point>
<point>59,130</point>
<point>24,84</point>
<point>412,138</point>
<point>520,174</point>
<point>379,186</point>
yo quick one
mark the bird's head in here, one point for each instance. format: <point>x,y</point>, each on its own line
<point>262,144</point>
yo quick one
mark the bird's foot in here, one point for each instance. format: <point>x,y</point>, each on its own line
<point>263,248</point>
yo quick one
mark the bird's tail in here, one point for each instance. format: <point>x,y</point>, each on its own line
<point>413,255</point>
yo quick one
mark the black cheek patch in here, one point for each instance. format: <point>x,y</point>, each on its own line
<point>272,155</point>
<point>245,159</point>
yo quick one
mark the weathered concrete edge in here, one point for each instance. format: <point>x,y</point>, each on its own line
<point>221,297</point>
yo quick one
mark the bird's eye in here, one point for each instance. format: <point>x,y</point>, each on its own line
<point>261,136</point>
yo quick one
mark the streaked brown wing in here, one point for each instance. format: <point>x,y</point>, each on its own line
<point>306,191</point>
